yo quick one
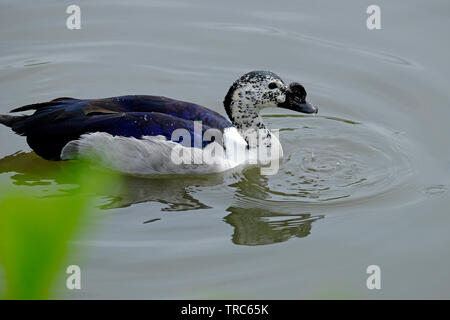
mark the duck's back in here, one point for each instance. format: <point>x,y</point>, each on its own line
<point>55,123</point>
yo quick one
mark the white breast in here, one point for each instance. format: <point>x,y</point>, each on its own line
<point>156,155</point>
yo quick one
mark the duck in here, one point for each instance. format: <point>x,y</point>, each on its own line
<point>140,134</point>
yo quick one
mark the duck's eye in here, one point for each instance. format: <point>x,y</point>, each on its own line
<point>273,85</point>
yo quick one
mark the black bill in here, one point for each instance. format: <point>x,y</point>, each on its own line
<point>296,100</point>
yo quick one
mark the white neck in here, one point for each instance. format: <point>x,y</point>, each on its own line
<point>250,125</point>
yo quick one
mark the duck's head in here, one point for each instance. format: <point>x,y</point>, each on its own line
<point>264,89</point>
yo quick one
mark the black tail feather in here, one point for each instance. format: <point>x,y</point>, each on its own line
<point>8,120</point>
<point>13,122</point>
<point>18,123</point>
<point>36,106</point>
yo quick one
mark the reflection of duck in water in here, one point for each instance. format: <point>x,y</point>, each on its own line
<point>258,226</point>
<point>174,193</point>
<point>252,226</point>
<point>30,170</point>
<point>135,134</point>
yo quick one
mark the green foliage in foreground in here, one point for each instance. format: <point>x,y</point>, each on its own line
<point>35,232</point>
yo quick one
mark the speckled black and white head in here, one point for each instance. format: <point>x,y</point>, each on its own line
<point>262,89</point>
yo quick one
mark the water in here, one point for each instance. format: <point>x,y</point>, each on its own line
<point>364,182</point>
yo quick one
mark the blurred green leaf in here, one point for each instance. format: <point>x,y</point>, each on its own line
<point>35,231</point>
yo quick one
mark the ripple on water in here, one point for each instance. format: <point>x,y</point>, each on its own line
<point>330,159</point>
<point>435,189</point>
<point>312,40</point>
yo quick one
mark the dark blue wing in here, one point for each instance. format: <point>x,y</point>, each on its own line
<point>59,121</point>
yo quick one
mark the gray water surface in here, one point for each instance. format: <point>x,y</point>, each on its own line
<point>364,182</point>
